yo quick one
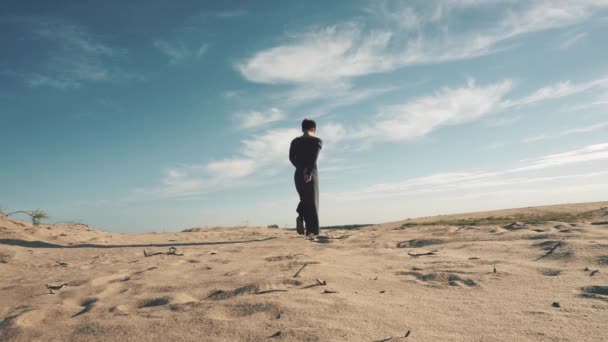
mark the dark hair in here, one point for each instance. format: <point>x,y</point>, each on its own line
<point>308,124</point>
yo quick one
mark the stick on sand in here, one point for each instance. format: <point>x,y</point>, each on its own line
<point>172,251</point>
<point>421,254</point>
<point>550,251</point>
<point>300,270</point>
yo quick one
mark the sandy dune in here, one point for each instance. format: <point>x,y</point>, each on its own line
<point>478,281</point>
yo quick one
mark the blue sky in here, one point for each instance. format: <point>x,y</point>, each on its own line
<point>155,116</point>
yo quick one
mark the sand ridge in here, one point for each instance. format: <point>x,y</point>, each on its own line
<point>440,282</point>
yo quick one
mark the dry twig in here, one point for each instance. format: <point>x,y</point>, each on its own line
<point>415,255</point>
<point>300,270</point>
<point>551,250</point>
<point>172,251</point>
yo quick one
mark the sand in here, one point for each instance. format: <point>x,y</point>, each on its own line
<point>471,283</point>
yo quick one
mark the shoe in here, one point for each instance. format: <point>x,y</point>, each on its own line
<point>300,225</point>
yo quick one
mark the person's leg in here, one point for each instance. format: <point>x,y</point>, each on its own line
<point>311,203</point>
<point>316,198</point>
<point>299,183</point>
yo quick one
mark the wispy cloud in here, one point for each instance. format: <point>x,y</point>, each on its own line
<point>413,119</point>
<point>231,168</point>
<point>502,121</point>
<point>420,116</point>
<point>570,41</point>
<point>75,56</point>
<point>582,155</point>
<point>177,51</point>
<point>254,119</point>
<point>351,49</point>
<point>228,14</point>
<point>517,175</point>
<point>256,153</point>
<point>494,145</point>
<point>586,129</point>
<point>448,106</point>
<point>599,101</point>
<point>561,89</point>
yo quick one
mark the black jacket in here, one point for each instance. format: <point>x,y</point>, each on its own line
<point>303,153</point>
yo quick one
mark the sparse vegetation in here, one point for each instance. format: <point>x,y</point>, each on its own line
<point>347,226</point>
<point>502,220</point>
<point>36,215</point>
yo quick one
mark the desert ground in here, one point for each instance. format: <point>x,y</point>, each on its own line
<point>530,274</point>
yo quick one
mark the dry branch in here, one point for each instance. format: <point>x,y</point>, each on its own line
<point>300,270</point>
<point>550,251</point>
<point>270,291</point>
<point>319,282</point>
<point>172,251</point>
<point>415,255</point>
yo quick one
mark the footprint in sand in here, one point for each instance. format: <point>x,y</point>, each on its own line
<point>226,294</point>
<point>281,257</point>
<point>550,272</point>
<point>435,279</point>
<point>242,310</point>
<point>417,243</point>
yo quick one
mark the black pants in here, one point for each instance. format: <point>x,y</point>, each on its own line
<point>308,208</point>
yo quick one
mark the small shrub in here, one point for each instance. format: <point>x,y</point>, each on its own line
<point>38,215</point>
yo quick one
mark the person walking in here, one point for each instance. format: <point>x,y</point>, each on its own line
<point>303,154</point>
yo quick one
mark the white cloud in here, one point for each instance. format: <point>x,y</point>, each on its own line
<point>178,182</point>
<point>323,55</point>
<point>202,50</point>
<point>178,51</point>
<point>586,129</point>
<point>231,168</point>
<point>494,146</point>
<point>566,44</point>
<point>333,132</point>
<point>582,155</point>
<point>75,56</point>
<point>502,121</point>
<point>351,49</point>
<point>255,119</point>
<point>600,101</point>
<point>229,14</point>
<point>511,177</point>
<point>561,89</point>
<point>270,146</point>
<point>419,117</point>
<point>37,80</point>
<point>75,38</point>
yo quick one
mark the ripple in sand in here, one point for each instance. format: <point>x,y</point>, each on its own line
<point>221,294</point>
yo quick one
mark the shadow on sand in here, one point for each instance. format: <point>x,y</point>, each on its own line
<point>42,244</point>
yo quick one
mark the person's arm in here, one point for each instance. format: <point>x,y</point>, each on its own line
<point>292,153</point>
<point>315,155</point>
